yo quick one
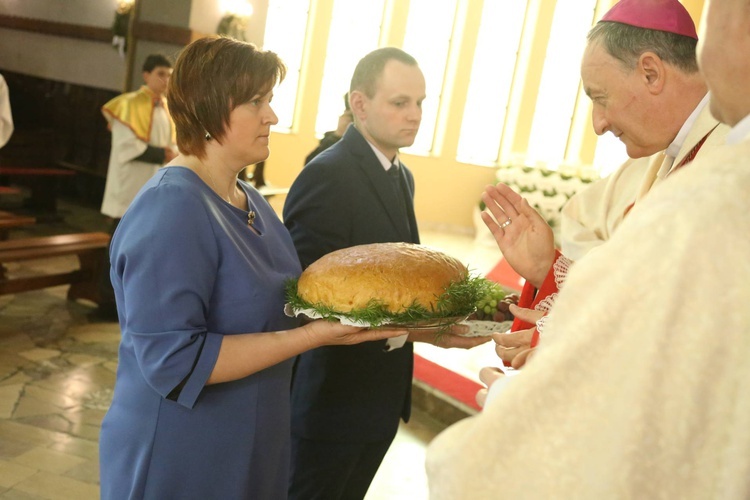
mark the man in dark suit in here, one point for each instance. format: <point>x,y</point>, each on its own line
<point>347,401</point>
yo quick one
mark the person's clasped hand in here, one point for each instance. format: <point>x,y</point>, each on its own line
<point>523,236</point>
<point>488,375</point>
<point>514,348</point>
<point>453,337</point>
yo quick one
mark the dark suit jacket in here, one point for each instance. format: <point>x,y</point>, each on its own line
<point>344,198</point>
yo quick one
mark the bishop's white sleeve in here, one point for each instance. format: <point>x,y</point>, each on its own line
<point>6,116</point>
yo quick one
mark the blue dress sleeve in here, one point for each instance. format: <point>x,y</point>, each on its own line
<point>164,263</point>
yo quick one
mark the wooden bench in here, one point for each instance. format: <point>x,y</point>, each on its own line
<point>10,221</point>
<point>43,183</point>
<point>90,248</point>
<point>9,191</point>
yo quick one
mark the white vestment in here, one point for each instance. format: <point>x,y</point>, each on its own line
<point>590,217</point>
<point>6,117</point>
<point>126,177</point>
<point>641,388</point>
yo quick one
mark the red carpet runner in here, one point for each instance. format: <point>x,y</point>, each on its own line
<point>446,381</point>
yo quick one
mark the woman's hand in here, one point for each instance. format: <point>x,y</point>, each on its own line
<point>245,354</point>
<point>523,236</point>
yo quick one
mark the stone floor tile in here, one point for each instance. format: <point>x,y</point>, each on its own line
<point>49,396</point>
<point>9,396</point>
<point>84,359</point>
<point>19,495</point>
<point>54,487</point>
<point>10,448</point>
<point>13,473</point>
<point>30,406</point>
<point>405,460</point>
<point>15,378</point>
<point>100,376</point>
<point>16,341</point>
<point>49,460</point>
<point>96,333</point>
<point>88,472</point>
<point>91,416</point>
<point>54,422</point>
<point>40,354</point>
<point>10,359</point>
<point>27,433</point>
<point>84,448</point>
<point>90,432</point>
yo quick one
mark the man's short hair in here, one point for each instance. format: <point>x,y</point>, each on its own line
<point>370,67</point>
<point>154,61</point>
<point>212,76</point>
<point>626,43</point>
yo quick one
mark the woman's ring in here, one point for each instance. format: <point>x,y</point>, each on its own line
<point>506,223</point>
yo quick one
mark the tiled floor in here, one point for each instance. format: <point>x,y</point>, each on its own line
<point>57,369</point>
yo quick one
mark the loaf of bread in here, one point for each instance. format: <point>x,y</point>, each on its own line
<point>394,275</point>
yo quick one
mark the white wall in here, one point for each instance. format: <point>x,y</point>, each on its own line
<point>86,12</point>
<point>82,62</point>
<point>205,15</point>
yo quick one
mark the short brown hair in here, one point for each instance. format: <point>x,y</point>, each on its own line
<point>370,67</point>
<point>212,76</point>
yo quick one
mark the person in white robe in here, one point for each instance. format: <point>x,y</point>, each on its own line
<point>639,69</point>
<point>6,115</point>
<point>665,126</point>
<point>593,214</point>
<point>142,137</point>
<point>644,392</point>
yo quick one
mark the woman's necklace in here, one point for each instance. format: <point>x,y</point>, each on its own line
<point>250,214</point>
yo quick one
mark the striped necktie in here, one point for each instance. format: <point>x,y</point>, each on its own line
<point>394,173</point>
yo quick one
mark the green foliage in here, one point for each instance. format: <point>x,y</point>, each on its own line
<point>459,299</point>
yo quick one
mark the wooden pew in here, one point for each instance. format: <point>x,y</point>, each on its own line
<point>10,221</point>
<point>43,183</point>
<point>90,248</point>
<point>9,191</point>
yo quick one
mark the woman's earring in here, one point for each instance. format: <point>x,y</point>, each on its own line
<point>208,136</point>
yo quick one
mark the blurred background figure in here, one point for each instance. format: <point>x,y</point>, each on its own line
<point>6,117</point>
<point>143,137</point>
<point>332,136</point>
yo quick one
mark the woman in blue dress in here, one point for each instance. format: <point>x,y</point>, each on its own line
<point>201,400</point>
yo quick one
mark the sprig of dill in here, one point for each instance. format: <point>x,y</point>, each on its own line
<point>458,299</point>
